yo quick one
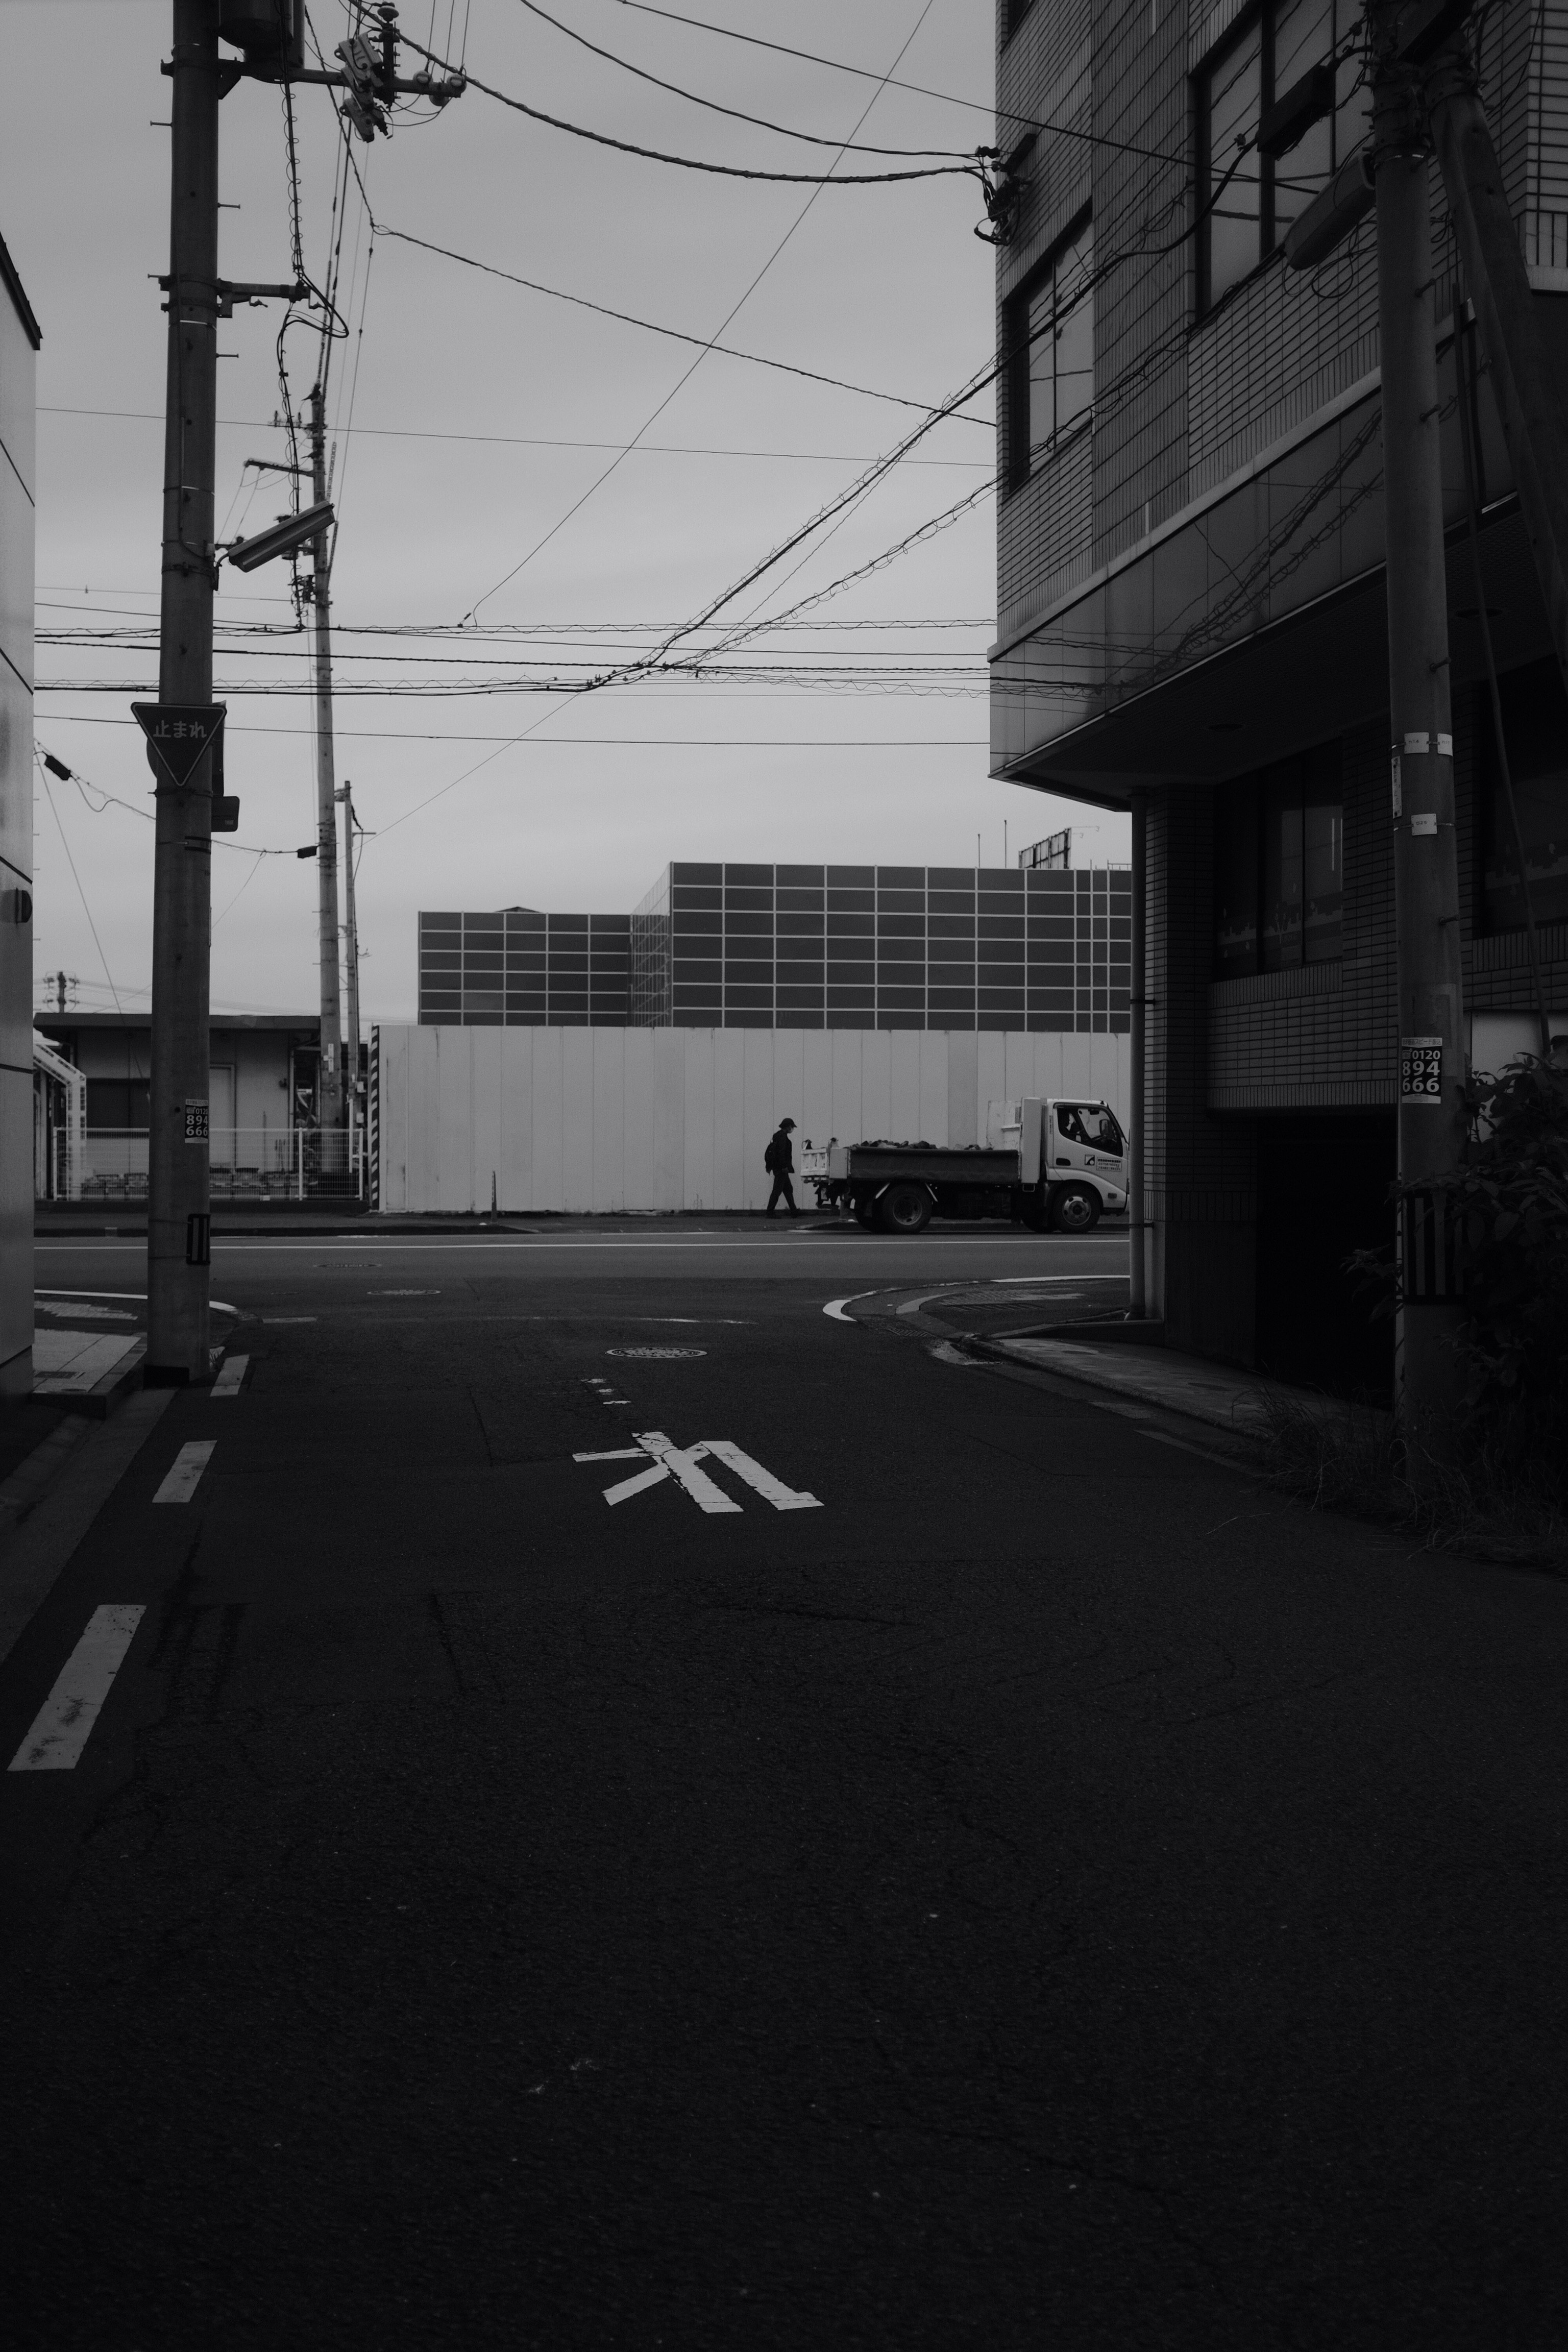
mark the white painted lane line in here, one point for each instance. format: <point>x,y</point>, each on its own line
<point>230,1378</point>
<point>188,1464</point>
<point>616,1454</point>
<point>881,1242</point>
<point>63,1723</point>
<point>782,1498</point>
<point>913,1306</point>
<point>682,1464</point>
<point>51,1291</point>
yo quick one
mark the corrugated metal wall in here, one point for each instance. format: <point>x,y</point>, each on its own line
<point>661,1119</point>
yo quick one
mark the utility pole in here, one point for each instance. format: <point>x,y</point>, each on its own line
<point>1137,1216</point>
<point>1432,1059</point>
<point>351,948</point>
<point>330,1082</point>
<point>177,1175</point>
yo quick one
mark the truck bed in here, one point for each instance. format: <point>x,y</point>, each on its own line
<point>932,1163</point>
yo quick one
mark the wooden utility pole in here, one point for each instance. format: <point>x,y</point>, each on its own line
<point>1432,1044</point>
<point>178,1226</point>
<point>330,1081</point>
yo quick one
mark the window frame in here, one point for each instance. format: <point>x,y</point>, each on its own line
<point>1020,469</point>
<point>1261,17</point>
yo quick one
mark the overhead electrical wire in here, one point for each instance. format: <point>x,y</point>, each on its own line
<point>971,170</point>
<point>811,138</point>
<point>675,389</point>
<point>650,326</point>
<point>554,441</point>
<point>947,98</point>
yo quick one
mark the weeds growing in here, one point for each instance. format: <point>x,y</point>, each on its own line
<point>1449,1490</point>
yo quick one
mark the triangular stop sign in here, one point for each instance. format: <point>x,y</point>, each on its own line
<point>178,733</point>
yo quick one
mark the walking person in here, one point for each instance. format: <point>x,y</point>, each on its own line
<point>779,1161</point>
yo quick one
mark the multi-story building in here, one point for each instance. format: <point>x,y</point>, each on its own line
<point>1191,611</point>
<point>802,947</point>
<point>19,347</point>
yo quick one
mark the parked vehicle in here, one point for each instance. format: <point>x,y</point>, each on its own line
<point>1051,1164</point>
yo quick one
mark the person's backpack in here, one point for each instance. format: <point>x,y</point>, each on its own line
<point>769,1157</point>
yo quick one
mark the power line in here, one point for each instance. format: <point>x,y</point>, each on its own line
<point>690,162</point>
<point>542,441</point>
<point>573,743</point>
<point>946,98</point>
<point>734,312</point>
<point>811,138</point>
<point>648,326</point>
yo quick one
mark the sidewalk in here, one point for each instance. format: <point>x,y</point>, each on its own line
<point>1223,1395</point>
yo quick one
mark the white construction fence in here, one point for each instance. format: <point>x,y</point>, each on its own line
<point>661,1120</point>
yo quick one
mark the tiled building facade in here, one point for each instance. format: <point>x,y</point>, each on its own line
<point>802,947</point>
<point>884,947</point>
<point>520,966</point>
<point>1191,610</point>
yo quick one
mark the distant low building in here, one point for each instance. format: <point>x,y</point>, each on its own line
<point>802,947</point>
<point>263,1100</point>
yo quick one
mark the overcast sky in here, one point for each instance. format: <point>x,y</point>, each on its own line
<point>481,414</point>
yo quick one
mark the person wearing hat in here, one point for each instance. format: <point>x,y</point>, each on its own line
<point>779,1161</point>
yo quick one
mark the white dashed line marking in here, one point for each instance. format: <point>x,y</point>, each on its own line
<point>188,1464</point>
<point>63,1724</point>
<point>231,1376</point>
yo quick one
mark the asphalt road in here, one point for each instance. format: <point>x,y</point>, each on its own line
<point>993,1877</point>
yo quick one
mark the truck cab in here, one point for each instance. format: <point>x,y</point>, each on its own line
<point>1072,1153</point>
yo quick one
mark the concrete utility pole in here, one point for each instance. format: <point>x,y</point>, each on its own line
<point>177,1179</point>
<point>351,949</point>
<point>1138,1289</point>
<point>330,1082</point>
<point>1432,1120</point>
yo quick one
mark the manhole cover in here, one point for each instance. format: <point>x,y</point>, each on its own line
<point>644,1353</point>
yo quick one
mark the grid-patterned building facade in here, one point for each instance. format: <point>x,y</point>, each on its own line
<point>883,947</point>
<point>1191,608</point>
<point>802,947</point>
<point>520,966</point>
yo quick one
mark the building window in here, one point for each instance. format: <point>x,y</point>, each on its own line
<point>1050,329</point>
<point>1287,50</point>
<point>1279,867</point>
<point>1535,728</point>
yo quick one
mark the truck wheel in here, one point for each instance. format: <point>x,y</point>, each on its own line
<point>904,1209</point>
<point>1075,1209</point>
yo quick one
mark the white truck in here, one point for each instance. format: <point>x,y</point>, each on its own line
<point>1055,1163</point>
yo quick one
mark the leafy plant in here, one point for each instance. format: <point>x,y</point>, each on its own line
<point>1509,1204</point>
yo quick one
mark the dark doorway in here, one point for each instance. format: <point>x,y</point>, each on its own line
<point>1322,1191</point>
